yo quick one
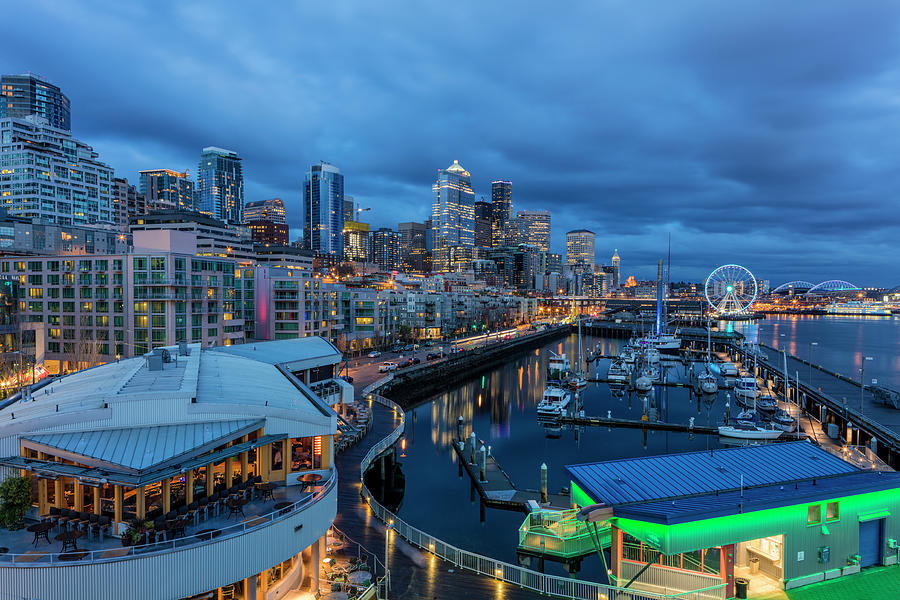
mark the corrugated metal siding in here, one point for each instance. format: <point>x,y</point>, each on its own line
<point>670,476</point>
<point>176,574</point>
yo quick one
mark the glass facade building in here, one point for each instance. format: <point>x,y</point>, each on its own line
<point>580,249</point>
<point>323,209</point>
<point>221,184</point>
<point>501,212</point>
<point>166,189</point>
<point>24,95</point>
<point>453,218</point>
<point>534,228</point>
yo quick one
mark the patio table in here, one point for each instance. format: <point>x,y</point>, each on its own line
<point>40,531</point>
<point>69,539</point>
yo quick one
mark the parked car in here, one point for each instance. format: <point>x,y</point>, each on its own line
<point>374,354</point>
<point>406,363</point>
<point>408,348</point>
<point>415,360</point>
<point>432,356</point>
<point>386,367</point>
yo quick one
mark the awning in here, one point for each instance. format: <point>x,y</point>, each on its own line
<point>875,514</point>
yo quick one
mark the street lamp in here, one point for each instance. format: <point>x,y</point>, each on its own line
<point>862,381</point>
<point>809,379</point>
<point>387,572</point>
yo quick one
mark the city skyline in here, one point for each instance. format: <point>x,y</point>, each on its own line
<point>733,177</point>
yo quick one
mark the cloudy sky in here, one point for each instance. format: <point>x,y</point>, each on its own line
<point>762,133</point>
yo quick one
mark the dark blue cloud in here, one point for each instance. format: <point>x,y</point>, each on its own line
<point>755,132</point>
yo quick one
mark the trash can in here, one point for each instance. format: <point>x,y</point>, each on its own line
<point>740,587</point>
<point>754,565</point>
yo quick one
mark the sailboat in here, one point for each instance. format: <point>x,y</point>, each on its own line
<point>578,380</point>
<point>662,341</point>
<point>707,382</point>
<point>747,429</point>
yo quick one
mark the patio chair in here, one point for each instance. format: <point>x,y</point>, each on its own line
<point>101,526</point>
<point>213,504</point>
<point>193,511</point>
<point>203,510</point>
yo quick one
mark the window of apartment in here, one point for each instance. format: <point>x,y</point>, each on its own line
<point>101,265</point>
<point>36,293</point>
<point>212,319</point>
<point>814,514</point>
<point>832,511</point>
<point>159,320</point>
<point>140,321</point>
<point>87,307</point>
<point>158,263</point>
<point>141,307</point>
<point>212,332</point>
<point>118,321</point>
<point>117,264</point>
<point>68,320</point>
<point>180,308</point>
<point>36,307</point>
<point>180,335</point>
<point>196,334</point>
<point>53,307</point>
<point>102,321</point>
<point>68,292</point>
<point>35,265</point>
<point>158,307</point>
<point>179,264</point>
<point>69,307</point>
<point>86,292</point>
<point>87,321</point>
<point>84,265</point>
<point>140,263</point>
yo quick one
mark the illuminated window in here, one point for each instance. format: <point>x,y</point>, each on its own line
<point>832,511</point>
<point>814,515</point>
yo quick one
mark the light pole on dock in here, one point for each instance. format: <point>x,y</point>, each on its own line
<point>862,381</point>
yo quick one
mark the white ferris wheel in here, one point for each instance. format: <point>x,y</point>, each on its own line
<point>730,289</point>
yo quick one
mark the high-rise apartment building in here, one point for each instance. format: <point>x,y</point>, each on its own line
<point>386,249</point>
<point>127,202</point>
<point>25,95</point>
<point>453,218</point>
<point>221,185</point>
<point>580,249</point>
<point>46,173</point>
<point>356,241</point>
<point>483,218</point>
<point>534,228</point>
<point>167,189</point>
<point>413,251</point>
<point>323,210</point>
<point>501,211</point>
<point>271,210</point>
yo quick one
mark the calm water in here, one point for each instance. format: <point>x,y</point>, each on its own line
<point>501,408</point>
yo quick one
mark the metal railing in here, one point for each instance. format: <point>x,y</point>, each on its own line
<point>484,565</point>
<point>41,559</point>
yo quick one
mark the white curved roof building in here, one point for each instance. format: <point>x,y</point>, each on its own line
<point>175,474</point>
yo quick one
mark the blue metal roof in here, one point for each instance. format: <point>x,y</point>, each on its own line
<point>651,478</point>
<point>694,508</point>
<point>138,449</point>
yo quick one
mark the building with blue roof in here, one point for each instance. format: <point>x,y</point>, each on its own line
<point>784,515</point>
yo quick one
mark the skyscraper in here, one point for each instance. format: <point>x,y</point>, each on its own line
<point>412,246</point>
<point>349,209</point>
<point>24,95</point>
<point>167,189</point>
<point>50,175</point>
<point>356,241</point>
<point>221,183</point>
<point>271,210</point>
<point>323,209</point>
<point>534,228</point>
<point>616,262</point>
<point>453,218</point>
<point>501,211</point>
<point>580,249</point>
<point>483,218</point>
<point>386,249</point>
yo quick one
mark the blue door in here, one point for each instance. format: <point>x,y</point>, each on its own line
<point>870,542</point>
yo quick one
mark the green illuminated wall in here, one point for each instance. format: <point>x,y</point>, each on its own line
<point>842,536</point>
<point>580,497</point>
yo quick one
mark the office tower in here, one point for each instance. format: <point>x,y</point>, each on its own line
<point>165,189</point>
<point>386,249</point>
<point>356,241</point>
<point>48,174</point>
<point>501,211</point>
<point>349,209</point>
<point>534,228</point>
<point>483,216</point>
<point>127,202</point>
<point>25,95</point>
<point>413,251</point>
<point>453,218</point>
<point>221,184</point>
<point>271,210</point>
<point>580,249</point>
<point>616,263</point>
<point>323,210</point>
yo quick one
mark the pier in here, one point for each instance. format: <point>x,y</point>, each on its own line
<point>635,424</point>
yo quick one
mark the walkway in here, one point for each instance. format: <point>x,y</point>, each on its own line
<point>414,574</point>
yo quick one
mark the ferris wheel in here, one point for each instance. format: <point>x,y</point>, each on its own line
<point>730,289</point>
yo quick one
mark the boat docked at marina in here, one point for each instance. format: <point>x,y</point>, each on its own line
<point>745,387</point>
<point>666,343</point>
<point>749,432</point>
<point>767,404</point>
<point>784,421</point>
<point>643,383</point>
<point>554,402</point>
<point>651,356</point>
<point>855,307</point>
<point>558,367</point>
<point>728,369</point>
<point>707,383</point>
<point>618,371</point>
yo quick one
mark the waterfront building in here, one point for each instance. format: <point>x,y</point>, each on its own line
<point>617,272</point>
<point>323,209</point>
<point>20,236</point>
<point>271,210</point>
<point>25,95</point>
<point>453,218</point>
<point>356,242</point>
<point>385,249</point>
<point>580,249</point>
<point>167,189</point>
<point>45,173</point>
<point>483,217</point>
<point>88,309</point>
<point>183,440</point>
<point>501,212</point>
<point>783,515</point>
<point>534,228</point>
<point>413,251</point>
<point>266,232</point>
<point>214,237</point>
<point>221,185</point>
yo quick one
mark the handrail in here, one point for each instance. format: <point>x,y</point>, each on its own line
<point>485,565</point>
<point>187,541</point>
